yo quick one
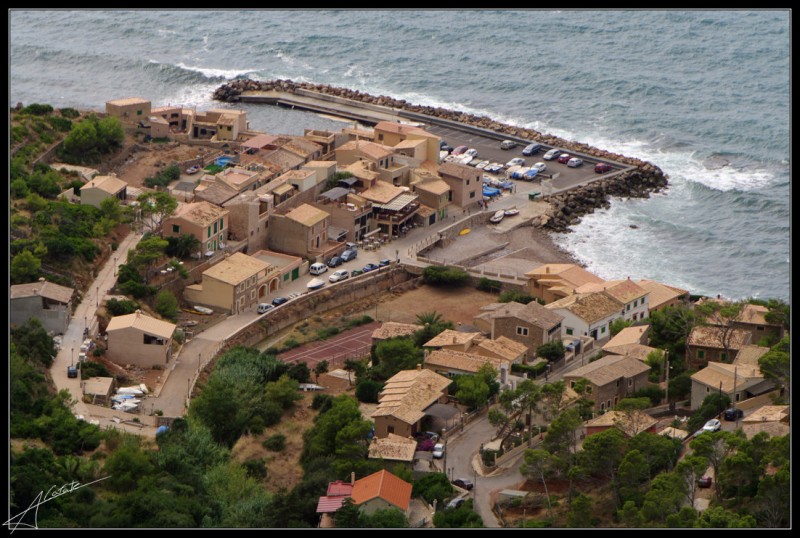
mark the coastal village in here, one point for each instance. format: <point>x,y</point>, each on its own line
<point>382,270</point>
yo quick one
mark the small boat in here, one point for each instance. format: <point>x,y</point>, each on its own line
<point>465,231</point>
<point>130,390</point>
<point>189,323</point>
<point>315,284</point>
<point>511,212</point>
<point>203,310</point>
<point>497,217</point>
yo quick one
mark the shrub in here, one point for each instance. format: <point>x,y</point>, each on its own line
<point>322,402</point>
<point>367,390</point>
<point>437,275</point>
<point>275,443</point>
<point>122,307</point>
<point>93,369</point>
<point>514,296</point>
<point>69,112</point>
<point>256,468</point>
<point>37,109</point>
<point>552,351</point>
<point>486,284</point>
<point>327,332</point>
<point>654,392</point>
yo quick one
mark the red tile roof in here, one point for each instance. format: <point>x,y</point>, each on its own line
<point>385,485</point>
<point>339,488</point>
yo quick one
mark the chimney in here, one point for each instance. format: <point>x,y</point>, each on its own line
<point>353,477</point>
<point>419,366</point>
<point>455,338</point>
<point>547,270</point>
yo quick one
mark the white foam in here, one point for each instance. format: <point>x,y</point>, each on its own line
<point>216,73</point>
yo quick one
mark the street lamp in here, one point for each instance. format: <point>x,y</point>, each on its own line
<point>72,357</point>
<point>97,303</point>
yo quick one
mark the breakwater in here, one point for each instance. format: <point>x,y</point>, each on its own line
<point>566,207</point>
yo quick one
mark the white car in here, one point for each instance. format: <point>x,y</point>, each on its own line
<point>472,152</point>
<point>518,161</point>
<point>712,425</point>
<point>483,164</point>
<point>438,451</point>
<point>574,162</point>
<point>552,154</point>
<point>540,167</point>
<point>341,274</point>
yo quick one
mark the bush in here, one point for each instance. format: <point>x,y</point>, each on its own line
<point>37,109</point>
<point>256,468</point>
<point>367,390</point>
<point>327,332</point>
<point>653,392</point>
<point>486,284</point>
<point>322,402</point>
<point>534,371</point>
<point>93,369</point>
<point>514,296</point>
<point>275,443</point>
<point>552,351</point>
<point>437,275</point>
<point>122,307</point>
<point>69,112</point>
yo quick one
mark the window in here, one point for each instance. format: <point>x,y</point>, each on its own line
<point>209,232</point>
<point>215,227</point>
<point>723,356</point>
<point>472,194</point>
<point>522,331</point>
<point>380,136</point>
<point>635,303</point>
<point>467,182</point>
<point>222,223</point>
<point>208,246</point>
<point>759,328</point>
<point>628,308</point>
<point>602,330</point>
<point>618,382</point>
<point>630,382</point>
<point>176,229</point>
<point>701,354</point>
<point>138,112</point>
<point>569,332</point>
<point>389,429</point>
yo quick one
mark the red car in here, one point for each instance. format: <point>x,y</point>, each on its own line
<point>459,150</point>
<point>704,482</point>
<point>564,158</point>
<point>602,168</point>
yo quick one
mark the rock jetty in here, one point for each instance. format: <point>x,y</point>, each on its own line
<point>567,207</point>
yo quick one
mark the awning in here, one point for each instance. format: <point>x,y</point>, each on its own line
<point>398,202</point>
<point>335,193</point>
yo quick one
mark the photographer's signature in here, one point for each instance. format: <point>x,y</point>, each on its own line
<point>42,498</point>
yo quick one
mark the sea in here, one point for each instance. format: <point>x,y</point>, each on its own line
<point>703,94</point>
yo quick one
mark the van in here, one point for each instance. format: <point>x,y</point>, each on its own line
<point>264,307</point>
<point>348,255</point>
<point>317,268</point>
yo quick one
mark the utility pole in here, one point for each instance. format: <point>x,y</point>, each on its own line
<point>666,365</point>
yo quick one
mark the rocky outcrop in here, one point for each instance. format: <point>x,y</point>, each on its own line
<point>232,90</point>
<point>567,208</point>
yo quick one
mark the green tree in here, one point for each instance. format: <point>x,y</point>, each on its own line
<point>773,499</point>
<point>319,369</point>
<point>167,305</point>
<point>680,386</point>
<point>472,391</point>
<point>396,354</point>
<point>432,324</point>
<point>515,296</point>
<point>602,453</point>
<point>348,516</point>
<point>562,435</point>
<point>367,390</point>
<point>32,342</point>
<point>539,464</point>
<point>148,252</point>
<point>552,351</point>
<point>157,206</point>
<point>632,476</point>
<point>462,517</point>
<point>618,324</point>
<point>25,267</point>
<point>183,246</point>
<point>580,514</point>
<point>684,518</point>
<point>111,209</point>
<point>720,317</point>
<point>775,365</point>
<point>630,516</point>
<point>670,327</point>
<point>284,391</point>
<point>433,486</point>
<point>300,372</point>
<point>717,517</point>
<point>437,275</point>
<point>665,497</point>
<point>126,467</point>
<point>387,518</point>
<point>714,447</point>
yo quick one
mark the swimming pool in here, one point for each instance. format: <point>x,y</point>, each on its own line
<point>223,161</point>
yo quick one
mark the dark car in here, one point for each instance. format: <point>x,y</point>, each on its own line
<point>463,483</point>
<point>602,168</point>
<point>336,261</point>
<point>72,371</point>
<point>384,263</point>
<point>531,149</point>
<point>734,413</point>
<point>369,267</point>
<point>704,482</point>
<point>448,149</point>
<point>356,272</point>
<point>277,301</point>
<point>564,158</point>
<point>455,503</point>
<point>442,144</point>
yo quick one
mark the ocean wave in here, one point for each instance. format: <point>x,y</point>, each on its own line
<point>186,73</point>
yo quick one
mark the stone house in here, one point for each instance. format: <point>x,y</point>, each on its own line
<point>131,110</point>
<point>629,423</point>
<point>49,303</point>
<point>102,187</point>
<point>466,185</point>
<point>450,363</point>
<point>206,222</point>
<point>404,399</point>
<point>381,491</point>
<point>588,314</point>
<point>705,344</point>
<point>552,281</point>
<point>738,382</point>
<point>348,211</point>
<point>387,166</point>
<point>235,284</point>
<point>632,296</point>
<point>611,379</point>
<point>140,340</point>
<point>531,325</point>
<point>409,140</point>
<point>662,295</point>
<point>303,232</point>
<point>752,319</point>
<point>434,195</point>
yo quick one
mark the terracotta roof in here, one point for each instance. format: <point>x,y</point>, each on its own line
<point>505,347</point>
<point>259,141</point>
<point>142,322</point>
<point>393,447</point>
<point>674,433</point>
<point>753,314</point>
<point>624,291</point>
<point>590,307</point>
<point>383,485</point>
<point>720,372</point>
<point>629,423</point>
<point>768,413</point>
<point>236,268</point>
<point>459,171</point>
<point>705,336</point>
<point>216,193</point>
<point>567,274</point>
<point>302,146</point>
<point>773,429</point>
<point>200,213</point>
<point>408,393</point>
<point>282,159</point>
<point>608,369</point>
<point>382,192</point>
<point>630,335</point>
<point>370,149</point>
<point>45,289</point>
<point>636,351</point>
<point>400,128</point>
<point>749,355</point>
<point>409,143</point>
<point>339,489</point>
<point>297,175</point>
<point>660,293</point>
<point>98,385</point>
<point>458,360</point>
<point>128,101</point>
<point>392,329</point>
<point>450,337</point>
<point>307,214</point>
<point>532,312</point>
<point>109,184</point>
<point>437,187</point>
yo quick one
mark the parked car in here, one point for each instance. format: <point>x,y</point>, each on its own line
<point>712,425</point>
<point>455,503</point>
<point>264,307</point>
<point>448,149</point>
<point>336,261</point>
<point>384,262</point>
<point>463,483</point>
<point>442,144</point>
<point>72,371</point>
<point>552,154</point>
<point>356,272</point>
<point>530,175</point>
<point>733,413</point>
<point>317,268</point>
<point>704,482</point>
<point>564,158</point>
<point>277,301</point>
<point>460,150</point>
<point>369,267</point>
<point>192,169</point>
<point>517,161</point>
<point>602,168</point>
<point>574,162</point>
<point>350,246</point>
<point>508,144</point>
<point>472,152</point>
<point>349,254</point>
<point>315,284</point>
<point>438,451</point>
<point>482,165</point>
<point>341,274</point>
<point>540,166</point>
<point>531,149</point>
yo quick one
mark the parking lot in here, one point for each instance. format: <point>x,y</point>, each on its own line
<point>563,177</point>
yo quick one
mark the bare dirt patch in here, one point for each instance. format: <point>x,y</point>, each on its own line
<point>458,305</point>
<point>148,159</point>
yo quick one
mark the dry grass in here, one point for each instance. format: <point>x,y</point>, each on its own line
<point>458,305</point>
